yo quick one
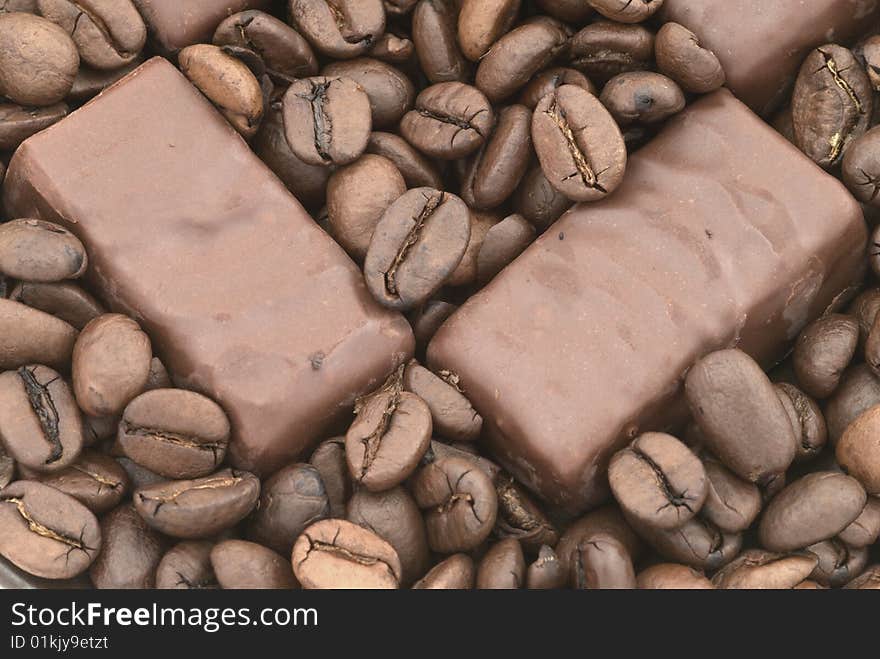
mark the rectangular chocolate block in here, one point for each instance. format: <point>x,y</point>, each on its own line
<point>244,297</point>
<point>722,234</point>
<point>762,43</point>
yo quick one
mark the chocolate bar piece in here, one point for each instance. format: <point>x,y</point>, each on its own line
<point>761,43</point>
<point>722,234</point>
<point>244,297</point>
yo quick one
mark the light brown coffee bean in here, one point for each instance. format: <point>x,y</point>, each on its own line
<point>859,390</point>
<point>455,573</point>
<point>28,335</point>
<point>606,519</point>
<point>697,543</point>
<point>64,300</point>
<point>822,352</point>
<point>452,414</point>
<point>131,552</point>
<point>671,576</point>
<point>682,57</point>
<point>96,480</point>
<point>732,503</point>
<point>239,564</point>
<point>643,97</point>
<point>34,250</point>
<point>417,171</point>
<point>434,26</point>
<point>187,566</point>
<point>602,563</point>
<point>390,92</point>
<point>760,569</point>
<point>858,450</point>
<point>482,22</point>
<point>18,123</point>
<point>604,49</point>
<point>546,572</point>
<point>341,29</point>
<point>503,567</point>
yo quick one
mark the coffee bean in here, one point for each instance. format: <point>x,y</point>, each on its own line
<point>389,436</point>
<point>602,563</point>
<point>604,520</point>
<point>740,415</point>
<point>822,352</point>
<point>482,22</point>
<point>546,572</point>
<point>579,144</point>
<point>38,60</point>
<point>292,499</point>
<point>572,11</point>
<point>28,335</point>
<point>96,480</point>
<point>98,428</point>
<point>39,421</point>
<point>417,171</point>
<point>327,121</point>
<point>452,415</point>
<point>450,120</point>
<point>7,467</point>
<point>865,529</point>
<point>239,564</point>
<point>139,476</point>
<point>455,573</point>
<point>697,543</point>
<point>427,319</point>
<point>538,201</point>
<point>198,508</point>
<point>874,251</point>
<point>28,6</point>
<point>334,553</point>
<point>357,197</point>
<point>517,56</point>
<point>64,300</point>
<point>658,480</point>
<point>434,27</point>
<point>642,96</point>
<point>131,552</point>
<point>91,82</point>
<point>682,57</point>
<point>286,54</point>
<point>603,50</point>
<point>806,419</point>
<point>519,517</point>
<point>390,92</point>
<point>859,390</point>
<point>671,576</point>
<point>503,567</point>
<point>838,563</point>
<point>111,364</point>
<point>339,28</point>
<point>858,451</point>
<point>108,33</point>
<point>732,504</point>
<point>869,51</point>
<point>187,566</point>
<point>399,7</point>
<point>465,274</point>
<point>550,80</point>
<point>18,123</point>
<point>626,11</point>
<point>503,243</point>
<point>393,49</point>
<point>34,250</point>
<point>864,309</point>
<point>867,580</point>
<point>760,569</point>
<point>329,460</point>
<point>831,105</point>
<point>416,246</point>
<point>176,433</point>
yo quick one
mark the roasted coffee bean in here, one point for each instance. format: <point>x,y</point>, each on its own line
<point>681,57</point>
<point>96,480</point>
<point>861,173</point>
<point>858,450</point>
<point>760,569</point>
<point>806,419</point>
<point>626,11</point>
<point>865,529</point>
<point>813,508</point>
<point>466,272</point>
<point>34,250</point>
<point>671,576</point>
<point>399,7</point>
<point>867,580</point>
<point>439,450</point>
<point>139,476</point>
<point>482,22</point>
<point>822,352</point>
<point>394,516</point>
<point>357,197</point>
<point>18,123</point>
<point>455,573</point>
<point>602,563</point>
<point>187,566</point>
<point>658,480</point>
<point>334,553</point>
<point>28,6</point>
<point>329,460</point>
<point>7,467</point>
<point>434,26</point>
<point>503,567</point>
<point>393,49</point>
<point>519,517</point>
<point>28,335</point>
<point>158,378</point>
<point>339,28</point>
<point>838,563</point>
<point>90,82</point>
<point>416,246</point>
<point>517,56</point>
<point>460,504</point>
<point>427,320</point>
<point>874,252</point>
<point>239,564</point>
<point>390,92</point>
<point>579,144</point>
<point>198,508</point>
<point>831,105</point>
<point>38,60</point>
<point>741,416</point>
<point>869,51</point>
<point>607,520</point>
<point>864,309</point>
<point>327,121</point>
<point>131,552</point>
<point>550,80</point>
<point>858,391</point>
<point>571,11</point>
<point>452,414</point>
<point>603,50</point>
<point>546,572</point>
<point>450,120</point>
<point>495,171</point>
<point>417,171</point>
<point>697,543</point>
<point>642,96</point>
<point>40,424</point>
<point>64,300</point>
<point>176,433</point>
<point>45,532</point>
<point>292,499</point>
<point>98,428</point>
<point>111,364</point>
<point>538,201</point>
<point>503,243</point>
<point>286,54</point>
<point>108,33</point>
<point>732,504</point>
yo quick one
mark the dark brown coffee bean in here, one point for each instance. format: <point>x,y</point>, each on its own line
<point>38,60</point>
<point>571,11</point>
<point>671,576</point>
<point>111,364</point>
<point>455,573</point>
<point>503,567</point>
<point>658,480</point>
<point>7,467</point>
<point>874,252</point>
<point>139,476</point>
<point>603,50</point>
<point>34,250</point>
<point>451,120</point>
<point>519,517</point>
<point>327,121</point>
<point>339,28</point>
<point>861,173</point>
<point>760,569</point>
<point>335,553</point>
<point>357,197</point>
<point>393,49</point>
<point>96,480</point>
<point>864,309</point>
<point>551,80</point>
<point>176,433</point>
<point>741,416</point>
<point>822,352</point>
<point>453,416</point>
<point>732,504</point>
<point>329,460</point>
<point>18,123</point>
<point>859,390</point>
<point>698,543</point>
<point>681,57</point>
<point>538,201</point>
<point>482,22</point>
<point>416,246</point>
<point>865,529</point>
<point>466,272</point>
<point>45,532</point>
<point>806,419</point>
<point>131,552</point>
<point>389,436</point>
<point>28,335</point>
<point>198,508</point>
<point>187,566</point>
<point>416,170</point>
<point>606,519</point>
<point>460,504</point>
<point>517,56</point>
<point>642,96</point>
<point>602,563</point>
<point>64,300</point>
<point>626,11</point>
<point>838,563</point>
<point>858,450</point>
<point>390,92</point>
<point>91,82</point>
<point>239,564</point>
<point>831,105</point>
<point>503,243</point>
<point>434,33</point>
<point>579,144</point>
<point>399,7</point>
<point>869,51</point>
<point>99,428</point>
<point>40,424</point>
<point>872,349</point>
<point>427,319</point>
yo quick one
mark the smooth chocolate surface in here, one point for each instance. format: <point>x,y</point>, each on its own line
<point>761,43</point>
<point>722,234</point>
<point>245,299</point>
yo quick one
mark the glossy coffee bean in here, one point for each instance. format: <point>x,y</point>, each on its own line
<point>111,364</point>
<point>538,201</point>
<point>434,34</point>
<point>642,97</point>
<point>96,480</point>
<point>18,123</point>
<point>806,419</point>
<point>732,503</point>
<point>176,433</point>
<point>503,243</point>
<point>698,543</point>
<point>131,552</point>
<point>459,504</point>
<point>858,450</point>
<point>390,92</point>
<point>415,247</point>
<point>34,250</point>
<point>329,460</point>
<point>64,300</point>
<point>602,562</point>
<point>682,57</point>
<point>604,520</point>
<point>603,50</point>
<point>519,516</point>
<point>760,569</point>
<point>859,390</point>
<point>867,580</point>
<point>671,576</point>
<point>28,335</point>
<point>482,22</point>
<point>455,573</point>
<point>838,563</point>
<point>40,424</point>
<point>452,415</point>
<point>465,274</point>
<point>503,567</point>
<point>546,572</point>
<point>551,79</point>
<point>198,508</point>
<point>187,566</point>
<point>45,532</point>
<point>822,352</point>
<point>865,529</point>
<point>339,28</point>
<point>335,553</point>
